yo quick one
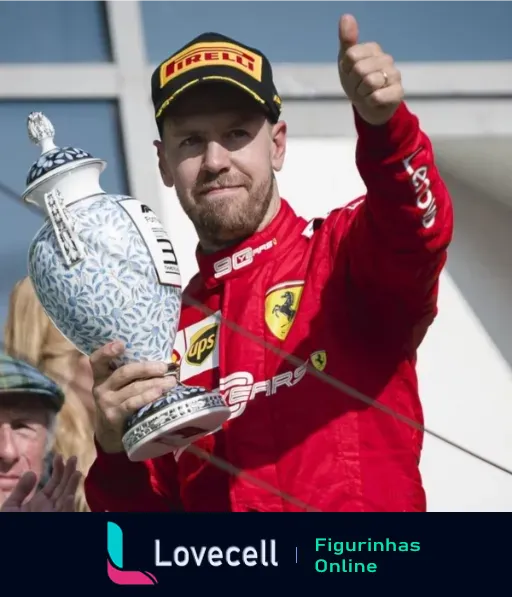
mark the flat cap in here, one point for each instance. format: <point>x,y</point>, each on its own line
<point>17,376</point>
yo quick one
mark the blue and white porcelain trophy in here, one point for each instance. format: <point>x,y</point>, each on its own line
<point>104,269</point>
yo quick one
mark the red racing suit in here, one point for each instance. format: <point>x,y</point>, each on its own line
<point>350,296</point>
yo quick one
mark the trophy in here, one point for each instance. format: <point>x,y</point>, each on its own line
<point>104,269</point>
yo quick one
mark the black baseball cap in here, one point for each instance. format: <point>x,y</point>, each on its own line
<point>212,57</point>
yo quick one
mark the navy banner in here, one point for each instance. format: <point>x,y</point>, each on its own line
<point>407,554</point>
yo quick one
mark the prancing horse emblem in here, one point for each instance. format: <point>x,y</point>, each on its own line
<point>286,308</point>
<point>319,359</point>
<point>281,306</point>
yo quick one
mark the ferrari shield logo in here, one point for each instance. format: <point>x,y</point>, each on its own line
<point>281,304</point>
<point>319,360</point>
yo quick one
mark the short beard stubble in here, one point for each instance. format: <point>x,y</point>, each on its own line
<point>226,222</point>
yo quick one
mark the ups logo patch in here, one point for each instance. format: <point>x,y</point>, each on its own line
<point>202,345</point>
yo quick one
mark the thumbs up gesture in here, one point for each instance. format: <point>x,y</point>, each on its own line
<point>368,76</point>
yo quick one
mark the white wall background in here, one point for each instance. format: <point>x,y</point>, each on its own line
<point>464,363</point>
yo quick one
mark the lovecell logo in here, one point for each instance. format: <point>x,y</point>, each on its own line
<point>115,568</point>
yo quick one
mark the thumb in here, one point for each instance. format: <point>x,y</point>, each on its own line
<point>348,32</point>
<point>23,488</point>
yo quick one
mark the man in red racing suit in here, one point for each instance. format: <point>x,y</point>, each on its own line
<point>350,297</point>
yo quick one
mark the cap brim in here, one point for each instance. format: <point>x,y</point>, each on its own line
<point>55,402</point>
<point>211,79</point>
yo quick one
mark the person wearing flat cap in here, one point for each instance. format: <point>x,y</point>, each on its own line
<point>29,404</point>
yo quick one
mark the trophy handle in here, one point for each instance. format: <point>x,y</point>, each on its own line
<point>72,249</point>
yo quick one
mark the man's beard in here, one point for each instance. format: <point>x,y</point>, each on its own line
<point>227,221</point>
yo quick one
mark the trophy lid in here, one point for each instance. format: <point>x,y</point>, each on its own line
<point>53,160</point>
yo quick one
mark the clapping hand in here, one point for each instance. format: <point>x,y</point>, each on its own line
<point>58,494</point>
<point>368,76</point>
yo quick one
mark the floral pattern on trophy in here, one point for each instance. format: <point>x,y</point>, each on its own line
<point>54,159</point>
<point>119,275</point>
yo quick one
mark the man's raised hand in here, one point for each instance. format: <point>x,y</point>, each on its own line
<point>368,76</point>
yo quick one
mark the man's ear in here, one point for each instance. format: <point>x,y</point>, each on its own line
<point>167,178</point>
<point>278,145</point>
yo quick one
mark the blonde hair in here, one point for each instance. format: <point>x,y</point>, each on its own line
<point>30,335</point>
